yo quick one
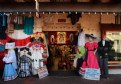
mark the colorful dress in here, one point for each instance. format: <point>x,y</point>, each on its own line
<point>90,60</point>
<point>9,71</point>
<point>36,58</point>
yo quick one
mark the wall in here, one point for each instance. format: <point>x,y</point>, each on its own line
<point>89,22</point>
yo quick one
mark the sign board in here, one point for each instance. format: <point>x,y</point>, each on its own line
<point>42,72</point>
<point>92,74</point>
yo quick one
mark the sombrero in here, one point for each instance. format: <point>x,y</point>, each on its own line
<point>90,35</point>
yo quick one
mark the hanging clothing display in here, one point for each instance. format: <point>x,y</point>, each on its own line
<point>28,25</point>
<point>10,26</point>
<point>18,25</point>
<point>3,24</point>
<point>9,71</point>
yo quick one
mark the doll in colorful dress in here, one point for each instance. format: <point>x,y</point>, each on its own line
<point>36,57</point>
<point>24,62</point>
<point>11,52</point>
<point>9,70</point>
<point>90,60</point>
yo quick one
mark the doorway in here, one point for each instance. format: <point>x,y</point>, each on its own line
<point>61,53</point>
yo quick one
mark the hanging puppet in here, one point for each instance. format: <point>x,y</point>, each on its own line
<point>24,62</point>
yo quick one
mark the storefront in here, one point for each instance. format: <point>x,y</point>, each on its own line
<point>58,26</point>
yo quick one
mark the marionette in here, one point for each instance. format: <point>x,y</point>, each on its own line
<point>24,62</point>
<point>11,52</point>
<point>9,70</point>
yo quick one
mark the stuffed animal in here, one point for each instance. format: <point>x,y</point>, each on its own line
<point>24,62</point>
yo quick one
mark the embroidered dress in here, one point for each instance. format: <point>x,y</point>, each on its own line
<point>9,71</point>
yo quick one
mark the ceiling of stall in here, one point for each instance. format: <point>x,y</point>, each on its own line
<point>89,1</point>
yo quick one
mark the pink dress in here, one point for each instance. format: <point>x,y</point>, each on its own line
<point>91,60</point>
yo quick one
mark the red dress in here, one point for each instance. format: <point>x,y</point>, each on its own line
<point>91,59</point>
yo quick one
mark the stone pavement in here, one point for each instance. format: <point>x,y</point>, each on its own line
<point>113,79</point>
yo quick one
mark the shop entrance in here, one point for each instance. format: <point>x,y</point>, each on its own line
<point>61,52</point>
<point>61,57</point>
<point>61,60</point>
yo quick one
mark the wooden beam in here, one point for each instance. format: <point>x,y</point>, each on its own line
<point>56,7</point>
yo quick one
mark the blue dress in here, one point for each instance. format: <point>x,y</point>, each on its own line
<point>28,25</point>
<point>9,71</point>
